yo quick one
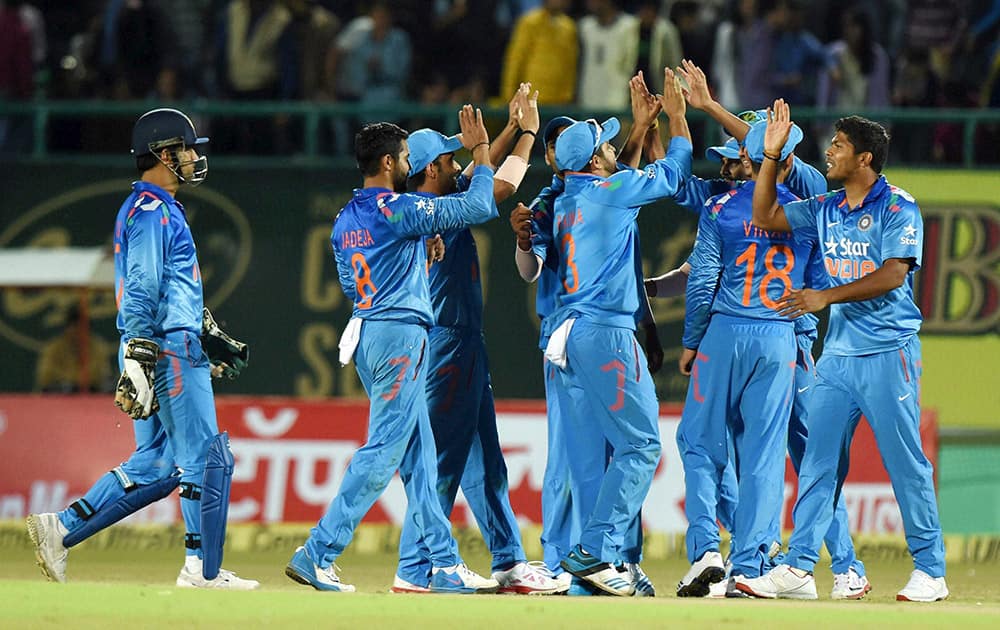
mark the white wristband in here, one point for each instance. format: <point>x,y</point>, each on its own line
<point>512,170</point>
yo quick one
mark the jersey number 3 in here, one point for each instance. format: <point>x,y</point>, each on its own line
<point>364,288</point>
<point>749,258</point>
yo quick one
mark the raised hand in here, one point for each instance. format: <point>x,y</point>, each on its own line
<point>672,99</point>
<point>697,92</point>
<point>529,119</point>
<point>645,106</point>
<point>779,126</point>
<point>470,121</point>
<point>520,224</point>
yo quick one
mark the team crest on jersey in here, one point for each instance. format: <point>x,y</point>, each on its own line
<point>716,208</point>
<point>865,222</point>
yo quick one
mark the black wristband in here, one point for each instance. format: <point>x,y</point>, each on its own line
<point>476,146</point>
<point>771,157</point>
<point>529,132</point>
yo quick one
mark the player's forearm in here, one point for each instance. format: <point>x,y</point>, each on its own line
<point>670,284</point>
<point>679,127</point>
<point>891,275</point>
<point>502,144</point>
<point>652,144</point>
<point>529,264</point>
<point>631,151</point>
<point>733,125</point>
<point>765,198</point>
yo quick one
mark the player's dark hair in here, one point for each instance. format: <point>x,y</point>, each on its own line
<point>145,162</point>
<point>418,179</point>
<point>375,141</point>
<point>866,135</point>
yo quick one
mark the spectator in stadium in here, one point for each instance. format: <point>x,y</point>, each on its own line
<point>16,78</point>
<point>61,359</point>
<point>696,36</point>
<point>131,57</point>
<point>659,44</point>
<point>543,51</point>
<point>373,58</point>
<point>798,56</point>
<point>858,74</point>
<point>609,49</point>
<point>314,29</point>
<point>733,47</point>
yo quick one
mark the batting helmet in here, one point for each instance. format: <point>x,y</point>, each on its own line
<point>161,128</point>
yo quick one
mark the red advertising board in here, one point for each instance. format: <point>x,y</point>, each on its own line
<point>291,456</point>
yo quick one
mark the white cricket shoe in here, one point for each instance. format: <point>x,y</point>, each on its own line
<point>705,571</point>
<point>528,578</point>
<point>849,585</point>
<point>923,588</point>
<point>783,582</point>
<point>462,580</point>
<point>399,585</point>
<point>643,585</point>
<point>719,590</point>
<point>47,532</point>
<point>191,577</point>
<point>565,580</point>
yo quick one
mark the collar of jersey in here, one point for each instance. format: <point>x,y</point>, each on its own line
<point>878,189</point>
<point>156,191</point>
<point>576,179</point>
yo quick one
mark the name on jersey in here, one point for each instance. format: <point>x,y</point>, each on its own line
<point>569,219</point>
<point>749,229</point>
<point>357,238</point>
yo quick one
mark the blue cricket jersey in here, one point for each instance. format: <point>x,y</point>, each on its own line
<point>158,286</point>
<point>541,244</point>
<point>855,242</point>
<point>594,228</point>
<point>739,269</point>
<point>456,290</point>
<point>379,248</point>
<point>803,181</point>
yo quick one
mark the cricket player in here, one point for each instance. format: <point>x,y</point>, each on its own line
<point>591,332</point>
<point>872,234</point>
<point>459,392</point>
<point>741,354</point>
<point>170,347</point>
<point>566,502</point>
<point>382,263</point>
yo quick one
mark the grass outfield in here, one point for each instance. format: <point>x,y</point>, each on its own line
<point>115,588</point>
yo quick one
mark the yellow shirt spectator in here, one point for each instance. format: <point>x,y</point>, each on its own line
<point>543,51</point>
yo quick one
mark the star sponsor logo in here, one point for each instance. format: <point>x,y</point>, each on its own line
<point>831,247</point>
<point>909,236</point>
<point>846,247</point>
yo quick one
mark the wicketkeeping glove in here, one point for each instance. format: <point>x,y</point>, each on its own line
<point>136,392</point>
<point>227,356</point>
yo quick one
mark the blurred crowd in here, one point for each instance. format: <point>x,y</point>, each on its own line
<point>859,54</point>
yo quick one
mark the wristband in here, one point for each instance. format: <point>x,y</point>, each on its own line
<point>655,125</point>
<point>512,170</point>
<point>529,132</point>
<point>478,144</point>
<point>771,157</point>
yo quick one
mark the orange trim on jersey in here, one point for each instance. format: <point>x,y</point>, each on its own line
<point>902,359</point>
<point>175,366</point>
<point>120,293</point>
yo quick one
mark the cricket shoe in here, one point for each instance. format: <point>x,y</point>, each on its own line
<point>191,577</point>
<point>399,585</point>
<point>923,588</point>
<point>303,570</point>
<point>600,574</point>
<point>529,578</point>
<point>783,582</point>
<point>583,588</point>
<point>47,532</point>
<point>643,585</point>
<point>705,571</point>
<point>461,580</point>
<point>849,585</point>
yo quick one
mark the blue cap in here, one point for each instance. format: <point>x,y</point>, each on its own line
<point>730,150</point>
<point>754,142</point>
<point>553,125</point>
<point>426,145</point>
<point>578,143</point>
<point>160,128</point>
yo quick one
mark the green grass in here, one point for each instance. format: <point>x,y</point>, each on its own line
<point>135,589</point>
